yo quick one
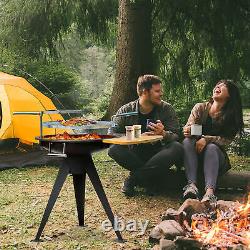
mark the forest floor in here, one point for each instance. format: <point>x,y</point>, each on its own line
<point>24,194</point>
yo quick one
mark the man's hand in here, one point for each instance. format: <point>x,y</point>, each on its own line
<point>200,145</point>
<point>187,131</point>
<point>156,128</point>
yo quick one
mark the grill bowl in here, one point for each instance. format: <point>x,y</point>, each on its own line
<point>73,147</point>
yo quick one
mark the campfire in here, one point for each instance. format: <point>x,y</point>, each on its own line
<point>195,225</point>
<point>223,228</point>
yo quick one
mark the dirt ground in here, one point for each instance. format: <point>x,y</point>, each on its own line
<point>24,194</point>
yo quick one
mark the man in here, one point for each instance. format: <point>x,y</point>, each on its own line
<point>148,160</point>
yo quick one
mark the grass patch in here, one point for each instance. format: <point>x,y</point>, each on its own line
<point>240,163</point>
<point>24,194</point>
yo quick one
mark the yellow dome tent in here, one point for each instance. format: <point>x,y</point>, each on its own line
<point>17,94</point>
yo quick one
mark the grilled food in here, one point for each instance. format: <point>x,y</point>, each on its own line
<point>66,136</point>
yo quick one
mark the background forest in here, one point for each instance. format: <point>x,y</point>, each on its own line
<point>78,48</point>
<point>89,53</point>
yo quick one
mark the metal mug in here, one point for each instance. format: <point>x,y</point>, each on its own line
<point>137,131</point>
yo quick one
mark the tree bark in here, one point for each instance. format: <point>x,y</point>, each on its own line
<point>134,52</point>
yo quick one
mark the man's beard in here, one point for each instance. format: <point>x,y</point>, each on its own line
<point>154,103</point>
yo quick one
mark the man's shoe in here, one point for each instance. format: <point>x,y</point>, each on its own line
<point>128,187</point>
<point>190,192</point>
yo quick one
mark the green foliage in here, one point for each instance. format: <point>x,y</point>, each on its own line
<point>56,76</point>
<point>59,79</point>
<point>245,93</point>
<point>30,20</point>
<point>197,43</point>
<point>81,79</point>
<point>39,25</point>
<point>94,17</point>
<point>10,60</point>
<point>6,58</point>
<point>241,145</point>
<point>95,67</point>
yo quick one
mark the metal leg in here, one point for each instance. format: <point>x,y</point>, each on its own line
<point>60,179</point>
<point>79,186</point>
<point>95,180</point>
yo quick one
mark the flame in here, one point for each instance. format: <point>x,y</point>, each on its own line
<point>230,227</point>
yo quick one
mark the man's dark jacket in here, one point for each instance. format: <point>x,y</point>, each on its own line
<point>164,112</point>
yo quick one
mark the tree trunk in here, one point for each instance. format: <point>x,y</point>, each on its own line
<point>134,52</point>
<point>231,180</point>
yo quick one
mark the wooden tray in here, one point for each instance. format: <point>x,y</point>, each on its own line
<point>143,139</point>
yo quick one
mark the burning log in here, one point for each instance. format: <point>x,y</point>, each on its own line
<point>227,229</point>
<point>187,209</point>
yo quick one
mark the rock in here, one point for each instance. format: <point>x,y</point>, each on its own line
<point>156,247</point>
<point>240,247</point>
<point>155,235</point>
<point>171,214</point>
<point>187,243</point>
<point>225,205</point>
<point>167,245</point>
<point>47,238</point>
<point>167,229</point>
<point>192,206</point>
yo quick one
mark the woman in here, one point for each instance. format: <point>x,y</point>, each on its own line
<point>221,119</point>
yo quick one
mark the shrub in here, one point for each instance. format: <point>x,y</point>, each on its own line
<point>241,144</point>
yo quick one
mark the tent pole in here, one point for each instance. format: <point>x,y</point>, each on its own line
<point>41,124</point>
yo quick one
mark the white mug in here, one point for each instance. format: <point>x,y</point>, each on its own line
<point>196,129</point>
<point>130,132</point>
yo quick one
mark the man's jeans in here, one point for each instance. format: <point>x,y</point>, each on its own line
<point>147,160</point>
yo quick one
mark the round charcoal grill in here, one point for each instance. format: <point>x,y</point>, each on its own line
<point>77,161</point>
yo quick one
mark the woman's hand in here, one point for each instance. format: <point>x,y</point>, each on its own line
<point>200,145</point>
<point>187,131</point>
<point>156,128</point>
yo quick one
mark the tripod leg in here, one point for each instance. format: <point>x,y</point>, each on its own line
<point>79,186</point>
<point>95,180</point>
<point>60,179</point>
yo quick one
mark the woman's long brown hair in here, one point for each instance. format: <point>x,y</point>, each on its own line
<point>232,116</point>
